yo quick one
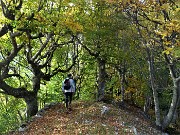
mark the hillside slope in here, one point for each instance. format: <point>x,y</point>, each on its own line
<point>86,118</point>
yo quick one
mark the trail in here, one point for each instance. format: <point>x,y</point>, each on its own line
<point>86,118</point>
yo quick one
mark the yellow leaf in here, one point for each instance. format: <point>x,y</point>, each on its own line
<point>167,42</point>
<point>165,52</point>
<point>169,49</point>
<point>157,32</point>
<point>177,9</point>
<point>165,6</point>
<point>175,21</point>
<point>133,5</point>
<point>74,26</point>
<point>170,25</point>
<point>164,34</point>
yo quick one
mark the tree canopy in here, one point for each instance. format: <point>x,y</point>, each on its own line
<point>122,51</point>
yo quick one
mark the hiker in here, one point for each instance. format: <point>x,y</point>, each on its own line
<point>68,88</point>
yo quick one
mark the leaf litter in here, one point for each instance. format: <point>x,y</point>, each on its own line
<point>86,118</point>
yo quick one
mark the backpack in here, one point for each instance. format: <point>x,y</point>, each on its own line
<point>67,84</point>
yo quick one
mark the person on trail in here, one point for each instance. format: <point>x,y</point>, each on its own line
<point>68,88</point>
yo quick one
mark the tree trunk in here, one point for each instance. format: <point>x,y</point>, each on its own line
<point>176,96</point>
<point>32,105</point>
<point>101,79</point>
<point>30,97</point>
<point>122,75</point>
<point>31,100</point>
<point>152,80</point>
<point>147,104</point>
<point>174,104</point>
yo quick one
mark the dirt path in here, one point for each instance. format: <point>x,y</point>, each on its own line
<point>86,119</point>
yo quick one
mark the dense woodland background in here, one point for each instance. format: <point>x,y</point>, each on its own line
<point>120,51</point>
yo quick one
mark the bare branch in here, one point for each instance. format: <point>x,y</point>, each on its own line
<point>40,5</point>
<point>10,75</point>
<point>37,36</point>
<point>11,56</point>
<point>87,49</point>
<point>57,70</point>
<point>7,13</point>
<point>20,5</point>
<point>15,34</point>
<point>48,58</point>
<point>2,92</point>
<point>3,30</point>
<point>16,92</point>
<point>42,47</point>
<point>146,17</point>
<point>13,40</point>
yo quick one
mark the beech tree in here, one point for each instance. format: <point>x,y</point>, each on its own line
<point>32,35</point>
<point>39,39</point>
<point>158,26</point>
<point>102,25</point>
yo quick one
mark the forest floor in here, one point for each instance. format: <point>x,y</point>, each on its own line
<point>86,118</point>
